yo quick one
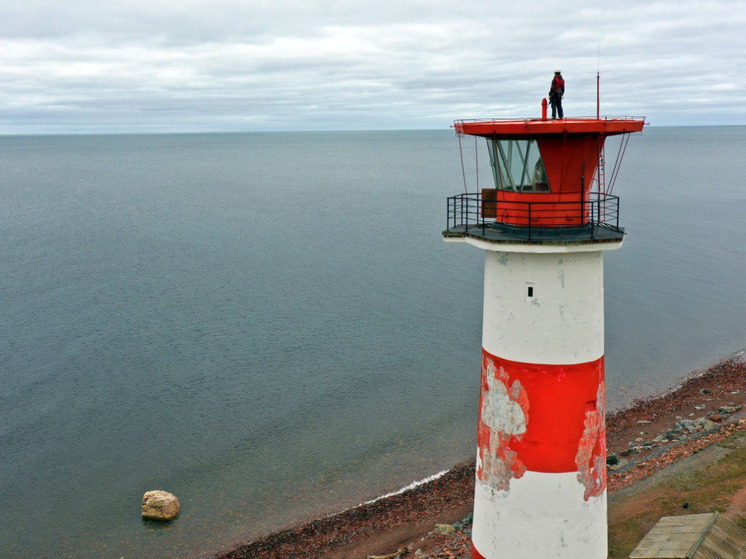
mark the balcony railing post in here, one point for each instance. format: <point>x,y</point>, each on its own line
<point>462,213</point>
<point>617,213</point>
<point>451,202</point>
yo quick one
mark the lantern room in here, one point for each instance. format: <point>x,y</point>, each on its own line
<point>543,177</point>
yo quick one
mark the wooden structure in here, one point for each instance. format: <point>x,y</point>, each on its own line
<point>694,536</point>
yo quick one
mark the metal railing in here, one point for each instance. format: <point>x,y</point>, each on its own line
<point>533,219</point>
<point>535,119</point>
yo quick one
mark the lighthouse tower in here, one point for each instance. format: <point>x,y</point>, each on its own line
<point>541,458</point>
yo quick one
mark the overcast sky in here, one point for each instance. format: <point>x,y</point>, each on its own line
<point>233,65</point>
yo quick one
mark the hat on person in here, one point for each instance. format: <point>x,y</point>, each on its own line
<point>558,71</point>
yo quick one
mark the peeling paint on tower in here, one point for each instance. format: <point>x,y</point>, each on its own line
<point>591,456</point>
<point>503,418</point>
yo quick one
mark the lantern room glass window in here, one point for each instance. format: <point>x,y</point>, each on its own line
<point>517,165</point>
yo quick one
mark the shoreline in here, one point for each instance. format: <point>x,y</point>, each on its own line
<point>649,435</point>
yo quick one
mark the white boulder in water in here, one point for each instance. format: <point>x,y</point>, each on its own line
<point>160,505</point>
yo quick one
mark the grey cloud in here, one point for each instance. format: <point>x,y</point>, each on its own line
<point>232,64</point>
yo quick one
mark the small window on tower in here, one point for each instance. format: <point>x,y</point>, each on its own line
<point>530,291</point>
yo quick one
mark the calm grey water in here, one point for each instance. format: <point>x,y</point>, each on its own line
<point>270,326</point>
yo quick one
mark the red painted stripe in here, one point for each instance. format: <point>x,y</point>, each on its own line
<point>564,407</point>
<point>475,554</point>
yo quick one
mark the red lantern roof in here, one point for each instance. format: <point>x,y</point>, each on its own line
<point>527,128</point>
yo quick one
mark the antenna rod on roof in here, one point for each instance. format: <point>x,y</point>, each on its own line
<point>598,82</point>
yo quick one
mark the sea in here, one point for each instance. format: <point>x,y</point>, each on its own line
<point>270,326</point>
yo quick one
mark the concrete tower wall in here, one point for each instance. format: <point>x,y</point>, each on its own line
<point>561,322</point>
<point>541,477</point>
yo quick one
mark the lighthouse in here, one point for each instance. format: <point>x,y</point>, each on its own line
<point>544,225</point>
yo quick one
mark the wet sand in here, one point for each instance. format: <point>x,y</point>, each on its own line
<point>641,440</point>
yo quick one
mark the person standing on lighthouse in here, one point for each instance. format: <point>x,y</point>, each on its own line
<point>556,91</point>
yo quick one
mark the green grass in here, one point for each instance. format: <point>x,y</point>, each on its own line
<point>707,489</point>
